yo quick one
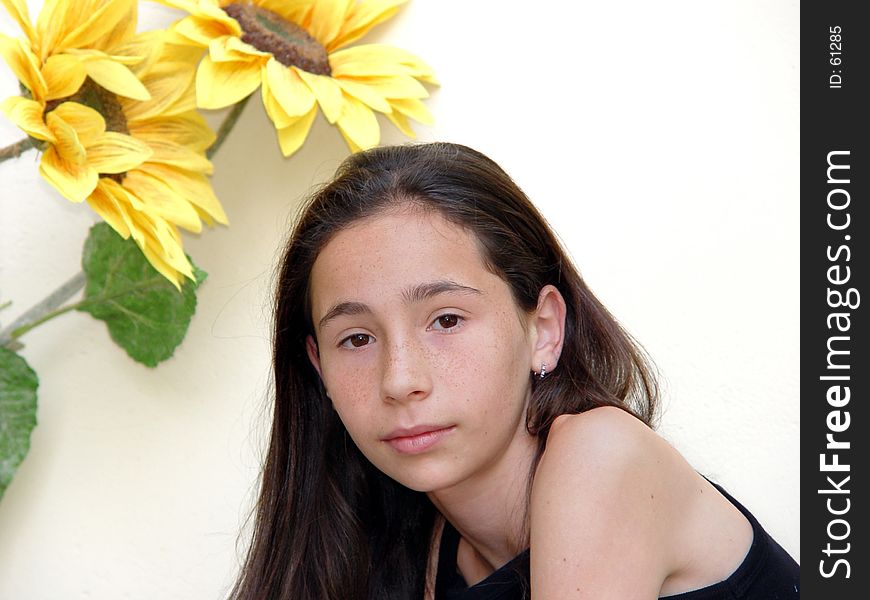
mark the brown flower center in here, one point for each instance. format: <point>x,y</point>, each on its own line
<point>291,45</point>
<point>101,100</point>
<point>104,102</point>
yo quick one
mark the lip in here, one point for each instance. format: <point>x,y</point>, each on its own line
<point>415,440</point>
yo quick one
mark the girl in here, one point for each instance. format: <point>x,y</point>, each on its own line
<point>457,416</point>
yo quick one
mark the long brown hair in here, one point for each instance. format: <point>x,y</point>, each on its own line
<point>329,525</point>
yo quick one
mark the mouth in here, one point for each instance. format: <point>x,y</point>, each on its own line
<point>417,439</point>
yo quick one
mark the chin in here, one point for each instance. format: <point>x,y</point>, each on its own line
<point>424,481</point>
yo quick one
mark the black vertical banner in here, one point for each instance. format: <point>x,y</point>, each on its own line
<point>835,300</point>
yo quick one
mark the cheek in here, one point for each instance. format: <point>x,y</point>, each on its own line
<point>351,388</point>
<point>508,348</point>
<point>513,357</point>
<point>493,371</point>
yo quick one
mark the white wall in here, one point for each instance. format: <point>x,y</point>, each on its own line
<point>660,138</point>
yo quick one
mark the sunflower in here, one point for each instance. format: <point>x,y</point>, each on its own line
<point>72,40</point>
<point>294,50</point>
<point>139,160</point>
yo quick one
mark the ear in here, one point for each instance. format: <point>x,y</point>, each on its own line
<point>313,354</point>
<point>548,327</point>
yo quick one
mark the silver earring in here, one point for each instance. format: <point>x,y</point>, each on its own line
<point>543,370</point>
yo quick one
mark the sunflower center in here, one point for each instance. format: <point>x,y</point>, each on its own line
<point>101,100</point>
<point>291,45</point>
<point>104,102</point>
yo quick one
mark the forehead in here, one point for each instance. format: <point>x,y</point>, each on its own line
<point>381,256</point>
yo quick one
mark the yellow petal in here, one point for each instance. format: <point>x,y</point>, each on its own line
<point>88,124</point>
<point>273,109</point>
<point>67,144</point>
<point>292,137</point>
<point>18,10</point>
<point>170,36</point>
<point>162,200</point>
<point>74,180</point>
<point>379,60</point>
<point>350,143</point>
<point>24,65</point>
<point>369,95</point>
<point>178,156</point>
<point>288,89</point>
<point>161,244</point>
<point>188,129</point>
<point>327,92</point>
<point>401,121</point>
<point>396,86</point>
<point>116,78</point>
<point>129,206</point>
<point>191,6</point>
<point>170,248</point>
<point>415,65</point>
<point>172,51</point>
<point>55,20</point>
<point>228,49</point>
<point>174,277</point>
<point>221,84</point>
<point>146,47</point>
<point>294,11</point>
<point>123,32</point>
<point>86,54</point>
<point>117,153</point>
<point>101,23</point>
<point>326,19</point>
<point>361,18</point>
<point>64,75</point>
<point>166,82</point>
<point>27,114</point>
<point>413,108</point>
<point>195,187</point>
<point>202,31</point>
<point>112,212</point>
<point>364,61</point>
<point>184,103</point>
<point>359,124</point>
<point>211,9</point>
<point>156,258</point>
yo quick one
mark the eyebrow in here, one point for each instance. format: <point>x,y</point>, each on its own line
<point>412,295</point>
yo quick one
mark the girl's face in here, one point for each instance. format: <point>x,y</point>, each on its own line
<point>423,351</point>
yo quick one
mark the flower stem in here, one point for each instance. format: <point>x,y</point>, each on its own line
<point>227,125</point>
<point>15,150</point>
<point>47,309</point>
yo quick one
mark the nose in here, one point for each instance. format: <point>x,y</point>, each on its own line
<point>406,374</point>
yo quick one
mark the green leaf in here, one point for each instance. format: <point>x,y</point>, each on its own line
<point>18,385</point>
<point>146,315</point>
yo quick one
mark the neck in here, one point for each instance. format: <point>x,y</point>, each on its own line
<point>489,511</point>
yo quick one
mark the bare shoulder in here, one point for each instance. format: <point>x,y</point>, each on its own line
<point>609,491</point>
<point>598,427</point>
<point>607,442</point>
<point>618,468</point>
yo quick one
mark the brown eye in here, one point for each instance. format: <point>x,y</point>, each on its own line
<point>357,340</point>
<point>447,321</point>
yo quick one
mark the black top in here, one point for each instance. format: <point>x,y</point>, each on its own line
<point>767,572</point>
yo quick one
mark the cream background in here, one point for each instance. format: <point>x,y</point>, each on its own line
<point>661,140</point>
